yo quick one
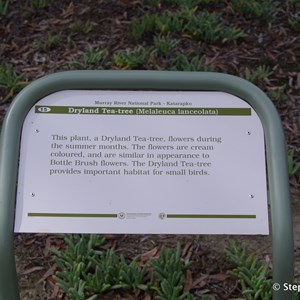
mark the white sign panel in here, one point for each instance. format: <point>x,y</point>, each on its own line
<point>142,162</point>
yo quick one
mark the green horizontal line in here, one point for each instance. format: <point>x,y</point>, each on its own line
<point>61,215</point>
<point>177,216</point>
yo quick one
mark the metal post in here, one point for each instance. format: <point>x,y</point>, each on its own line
<point>282,229</point>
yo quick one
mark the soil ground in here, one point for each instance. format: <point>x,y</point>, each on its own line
<point>24,33</point>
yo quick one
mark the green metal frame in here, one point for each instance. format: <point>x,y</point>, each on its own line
<point>278,181</point>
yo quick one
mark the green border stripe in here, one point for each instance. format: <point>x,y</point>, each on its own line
<point>70,215</point>
<point>177,216</point>
<point>154,111</point>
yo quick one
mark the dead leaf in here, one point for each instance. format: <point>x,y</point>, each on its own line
<point>69,11</point>
<point>188,282</point>
<point>47,246</point>
<point>206,279</point>
<point>31,270</point>
<point>147,255</point>
<point>200,282</point>
<point>186,248</point>
<point>55,292</point>
<point>147,297</point>
<point>218,277</point>
<point>48,273</point>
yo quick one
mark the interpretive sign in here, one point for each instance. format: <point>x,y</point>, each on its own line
<point>142,162</point>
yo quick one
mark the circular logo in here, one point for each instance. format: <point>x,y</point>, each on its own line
<point>121,215</point>
<point>276,286</point>
<point>162,216</point>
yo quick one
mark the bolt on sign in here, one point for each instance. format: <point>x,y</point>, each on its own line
<point>131,161</point>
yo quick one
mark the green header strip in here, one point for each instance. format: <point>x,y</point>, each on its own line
<point>166,111</point>
<point>70,215</point>
<point>176,216</point>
